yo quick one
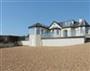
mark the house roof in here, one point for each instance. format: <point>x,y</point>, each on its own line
<point>71,23</point>
<point>55,22</point>
<point>84,23</point>
<point>38,25</point>
<point>55,27</point>
<point>74,24</point>
<point>65,24</point>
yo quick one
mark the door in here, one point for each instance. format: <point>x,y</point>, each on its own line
<point>65,32</point>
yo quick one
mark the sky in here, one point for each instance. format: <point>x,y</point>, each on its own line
<point>17,15</point>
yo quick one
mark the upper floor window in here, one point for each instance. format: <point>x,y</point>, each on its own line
<point>42,31</point>
<point>87,29</point>
<point>57,31</point>
<point>81,30</point>
<point>73,31</point>
<point>65,33</point>
<point>52,31</point>
<point>38,31</point>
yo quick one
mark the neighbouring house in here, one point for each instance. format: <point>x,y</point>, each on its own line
<point>65,33</point>
<point>10,40</point>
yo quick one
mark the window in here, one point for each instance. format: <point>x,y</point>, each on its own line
<point>81,30</point>
<point>38,31</point>
<point>57,31</point>
<point>73,32</point>
<point>65,33</point>
<point>52,31</point>
<point>42,31</point>
<point>87,29</point>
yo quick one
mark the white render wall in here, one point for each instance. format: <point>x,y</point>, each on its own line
<point>24,43</point>
<point>62,42</point>
<point>36,41</point>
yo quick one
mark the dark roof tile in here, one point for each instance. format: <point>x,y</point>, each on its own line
<point>38,25</point>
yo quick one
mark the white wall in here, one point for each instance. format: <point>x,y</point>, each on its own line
<point>35,40</point>
<point>24,43</point>
<point>62,42</point>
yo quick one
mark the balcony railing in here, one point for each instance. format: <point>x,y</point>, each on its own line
<point>47,35</point>
<point>51,35</point>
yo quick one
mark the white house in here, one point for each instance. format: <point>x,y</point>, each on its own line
<point>59,33</point>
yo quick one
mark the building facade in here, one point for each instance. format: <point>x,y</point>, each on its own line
<point>65,33</point>
<point>69,28</point>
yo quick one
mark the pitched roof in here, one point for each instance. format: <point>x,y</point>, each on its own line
<point>38,25</point>
<point>73,23</point>
<point>65,24</point>
<point>68,23</point>
<point>56,23</point>
<point>84,23</point>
